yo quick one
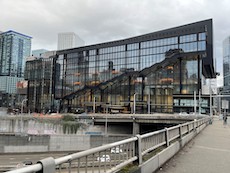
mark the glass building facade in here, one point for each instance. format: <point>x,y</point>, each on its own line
<point>160,69</point>
<point>226,69</point>
<point>14,48</point>
<point>226,64</point>
<point>39,93</point>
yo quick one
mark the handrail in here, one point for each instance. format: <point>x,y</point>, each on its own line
<point>152,133</point>
<point>92,151</point>
<point>125,151</point>
<point>33,168</point>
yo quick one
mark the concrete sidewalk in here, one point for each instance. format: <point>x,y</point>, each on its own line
<point>208,152</point>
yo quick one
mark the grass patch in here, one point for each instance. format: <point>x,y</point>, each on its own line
<point>132,168</point>
<point>153,153</point>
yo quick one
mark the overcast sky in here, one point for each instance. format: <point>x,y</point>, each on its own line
<point>97,21</point>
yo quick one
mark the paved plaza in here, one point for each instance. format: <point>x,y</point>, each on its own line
<point>209,152</point>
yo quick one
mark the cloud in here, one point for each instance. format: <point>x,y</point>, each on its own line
<point>98,21</point>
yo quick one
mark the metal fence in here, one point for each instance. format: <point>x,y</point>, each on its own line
<point>112,157</point>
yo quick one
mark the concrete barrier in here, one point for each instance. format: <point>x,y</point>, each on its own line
<point>162,157</point>
<point>17,143</point>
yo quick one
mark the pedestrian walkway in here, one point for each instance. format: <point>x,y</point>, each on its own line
<point>209,152</point>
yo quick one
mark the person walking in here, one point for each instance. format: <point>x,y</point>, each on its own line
<point>225,118</point>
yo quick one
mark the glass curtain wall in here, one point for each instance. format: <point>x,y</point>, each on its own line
<point>39,73</point>
<point>14,48</point>
<point>90,68</point>
<point>226,63</point>
<point>34,74</point>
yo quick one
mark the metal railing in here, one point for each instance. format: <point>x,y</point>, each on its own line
<point>112,157</point>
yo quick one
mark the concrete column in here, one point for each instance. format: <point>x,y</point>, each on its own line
<point>136,128</point>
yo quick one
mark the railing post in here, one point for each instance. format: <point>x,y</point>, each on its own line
<point>181,135</point>
<point>138,149</point>
<point>188,128</point>
<point>210,120</point>
<point>48,165</point>
<point>194,125</point>
<point>180,131</point>
<point>167,137</point>
<point>198,125</point>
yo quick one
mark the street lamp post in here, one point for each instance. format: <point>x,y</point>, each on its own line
<point>199,102</point>
<point>134,103</point>
<point>210,92</point>
<point>219,105</point>
<point>24,100</point>
<point>195,102</point>
<point>106,121</point>
<point>94,105</point>
<point>149,108</point>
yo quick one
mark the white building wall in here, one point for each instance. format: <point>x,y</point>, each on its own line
<point>69,40</point>
<point>79,41</point>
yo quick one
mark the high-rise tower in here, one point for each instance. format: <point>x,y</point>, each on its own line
<point>14,48</point>
<point>69,40</point>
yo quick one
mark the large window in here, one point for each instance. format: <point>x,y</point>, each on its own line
<point>95,66</point>
<point>59,67</point>
<point>189,73</point>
